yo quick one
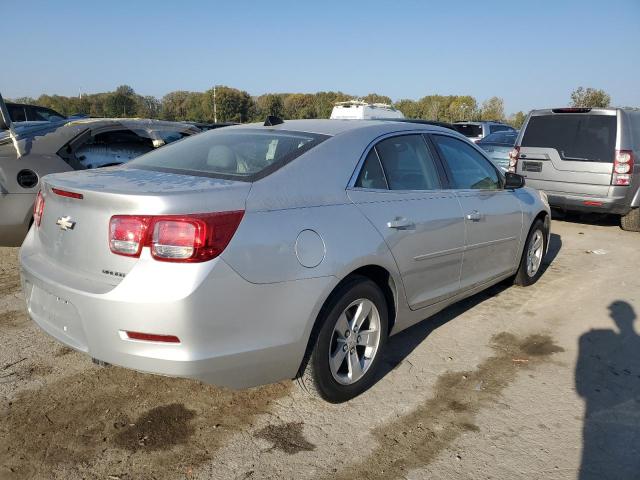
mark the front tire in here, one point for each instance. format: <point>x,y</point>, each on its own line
<point>631,221</point>
<point>348,342</point>
<point>530,268</point>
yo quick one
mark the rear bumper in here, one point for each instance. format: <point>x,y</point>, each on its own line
<point>232,333</point>
<point>583,203</point>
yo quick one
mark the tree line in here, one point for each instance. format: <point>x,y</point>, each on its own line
<point>233,105</point>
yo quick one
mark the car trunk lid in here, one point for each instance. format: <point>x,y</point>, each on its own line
<point>74,230</point>
<point>572,151</point>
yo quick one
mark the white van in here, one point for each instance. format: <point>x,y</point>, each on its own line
<point>358,110</point>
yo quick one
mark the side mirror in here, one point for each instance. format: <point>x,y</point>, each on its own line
<point>513,181</point>
<point>5,120</point>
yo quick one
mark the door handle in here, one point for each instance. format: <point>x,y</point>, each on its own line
<point>401,224</point>
<point>474,216</point>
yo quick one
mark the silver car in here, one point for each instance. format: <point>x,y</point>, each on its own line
<point>30,150</point>
<point>585,159</point>
<point>255,253</point>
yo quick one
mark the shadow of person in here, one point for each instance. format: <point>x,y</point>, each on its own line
<point>608,378</point>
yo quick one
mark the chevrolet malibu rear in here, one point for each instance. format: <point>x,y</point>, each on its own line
<point>252,254</point>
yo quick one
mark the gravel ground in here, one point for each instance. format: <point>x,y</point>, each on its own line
<point>542,382</point>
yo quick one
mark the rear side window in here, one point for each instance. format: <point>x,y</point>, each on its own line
<point>408,164</point>
<point>371,175</point>
<point>576,137</point>
<point>236,154</point>
<point>468,130</point>
<point>469,169</point>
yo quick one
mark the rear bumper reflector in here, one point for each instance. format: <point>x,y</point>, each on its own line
<point>590,203</point>
<point>151,337</point>
<point>65,193</point>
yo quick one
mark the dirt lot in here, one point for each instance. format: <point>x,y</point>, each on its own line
<point>542,382</point>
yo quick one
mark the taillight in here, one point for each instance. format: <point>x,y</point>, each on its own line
<point>622,168</point>
<point>38,209</point>
<point>127,234</point>
<point>513,159</point>
<point>174,238</point>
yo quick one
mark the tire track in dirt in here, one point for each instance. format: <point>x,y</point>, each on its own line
<point>416,439</point>
<point>112,421</point>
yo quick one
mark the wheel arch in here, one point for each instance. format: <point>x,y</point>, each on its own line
<point>379,275</point>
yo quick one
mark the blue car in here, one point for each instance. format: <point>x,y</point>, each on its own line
<point>498,145</point>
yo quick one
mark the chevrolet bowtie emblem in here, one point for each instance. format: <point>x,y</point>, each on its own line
<point>65,223</point>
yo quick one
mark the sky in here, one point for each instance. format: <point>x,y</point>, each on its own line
<point>532,54</point>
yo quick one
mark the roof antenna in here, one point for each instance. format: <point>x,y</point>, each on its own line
<point>272,120</point>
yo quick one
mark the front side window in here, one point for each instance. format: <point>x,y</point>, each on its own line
<point>469,169</point>
<point>408,163</point>
<point>240,154</point>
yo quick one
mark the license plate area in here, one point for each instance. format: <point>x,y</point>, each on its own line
<point>56,315</point>
<point>532,166</point>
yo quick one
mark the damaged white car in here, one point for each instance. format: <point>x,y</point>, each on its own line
<point>30,150</point>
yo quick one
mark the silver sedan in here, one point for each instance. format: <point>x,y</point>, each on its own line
<point>294,249</point>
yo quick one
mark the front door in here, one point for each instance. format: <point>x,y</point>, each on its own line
<point>492,215</point>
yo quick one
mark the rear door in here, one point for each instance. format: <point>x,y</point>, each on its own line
<point>569,152</point>
<point>400,190</point>
<point>493,217</point>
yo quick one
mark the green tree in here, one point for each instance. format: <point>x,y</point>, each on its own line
<point>376,98</point>
<point>148,106</point>
<point>517,120</point>
<point>121,103</point>
<point>492,109</point>
<point>463,107</point>
<point>270,104</point>
<point>232,105</point>
<point>324,102</point>
<point>590,97</point>
<point>408,107</point>
<point>300,105</point>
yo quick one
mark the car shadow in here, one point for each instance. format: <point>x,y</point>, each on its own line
<point>402,344</point>
<point>597,219</point>
<point>607,377</point>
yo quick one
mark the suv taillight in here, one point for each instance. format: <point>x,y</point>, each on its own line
<point>38,209</point>
<point>174,238</point>
<point>622,168</point>
<point>513,159</point>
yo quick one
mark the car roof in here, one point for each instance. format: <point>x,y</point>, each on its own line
<point>337,126</point>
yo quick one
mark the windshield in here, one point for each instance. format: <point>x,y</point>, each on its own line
<point>468,129</point>
<point>576,137</point>
<point>239,154</point>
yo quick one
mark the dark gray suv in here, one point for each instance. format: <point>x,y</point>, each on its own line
<point>584,159</point>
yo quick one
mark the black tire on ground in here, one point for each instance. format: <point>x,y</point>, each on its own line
<point>631,221</point>
<point>523,278</point>
<point>315,375</point>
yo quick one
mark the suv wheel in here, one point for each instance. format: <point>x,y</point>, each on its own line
<point>348,347</point>
<point>631,221</point>
<point>530,268</point>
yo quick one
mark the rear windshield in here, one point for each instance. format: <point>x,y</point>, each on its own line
<point>230,153</point>
<point>576,137</point>
<point>468,130</point>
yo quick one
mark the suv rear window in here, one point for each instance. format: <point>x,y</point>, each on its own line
<point>239,154</point>
<point>468,130</point>
<point>576,137</point>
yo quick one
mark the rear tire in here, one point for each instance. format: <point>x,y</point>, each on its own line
<point>530,268</point>
<point>631,221</point>
<point>347,344</point>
